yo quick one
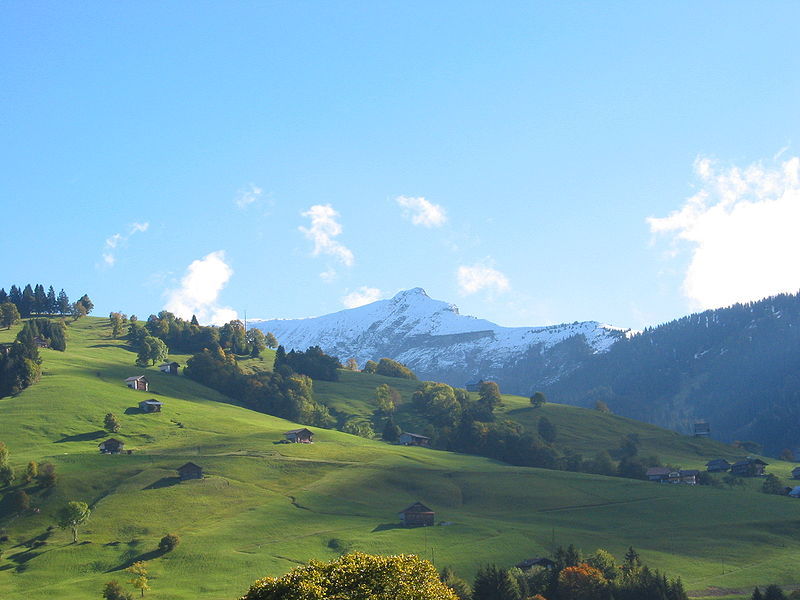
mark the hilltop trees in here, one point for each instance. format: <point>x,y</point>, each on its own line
<point>21,366</point>
<point>538,400</point>
<point>9,315</point>
<point>392,368</point>
<point>151,350</point>
<point>356,576</point>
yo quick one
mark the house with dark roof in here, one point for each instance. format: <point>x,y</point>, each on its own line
<point>190,471</point>
<point>748,467</point>
<point>666,475</point>
<point>718,465</point>
<point>139,383</point>
<point>474,385</point>
<point>416,515</point>
<point>702,429</point>
<point>796,473</point>
<point>300,436</point>
<point>170,368</point>
<point>413,439</point>
<point>658,473</point>
<point>150,406</point>
<point>111,446</point>
<point>529,563</point>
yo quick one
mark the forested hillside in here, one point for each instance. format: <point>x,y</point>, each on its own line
<point>736,367</point>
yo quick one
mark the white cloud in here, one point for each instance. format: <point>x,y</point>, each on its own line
<point>360,297</point>
<point>199,291</point>
<point>119,239</point>
<point>422,212</point>
<point>742,229</point>
<point>245,197</point>
<point>472,279</point>
<point>325,227</point>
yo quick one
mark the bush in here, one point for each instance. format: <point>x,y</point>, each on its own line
<point>392,368</point>
<point>168,542</point>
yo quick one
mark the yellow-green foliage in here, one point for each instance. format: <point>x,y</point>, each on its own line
<point>356,576</point>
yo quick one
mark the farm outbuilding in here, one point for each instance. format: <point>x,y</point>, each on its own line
<point>150,406</point>
<point>718,465</point>
<point>170,368</point>
<point>190,471</point>
<point>413,439</point>
<point>300,436</point>
<point>138,382</point>
<point>748,467</point>
<point>416,515</point>
<point>111,446</point>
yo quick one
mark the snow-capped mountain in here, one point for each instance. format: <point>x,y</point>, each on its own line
<point>438,343</point>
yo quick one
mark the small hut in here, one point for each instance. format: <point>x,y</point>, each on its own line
<point>138,383</point>
<point>150,406</point>
<point>413,439</point>
<point>170,368</point>
<point>416,515</point>
<point>702,429</point>
<point>748,467</point>
<point>300,436</point>
<point>718,465</point>
<point>111,446</point>
<point>190,471</point>
<point>796,473</point>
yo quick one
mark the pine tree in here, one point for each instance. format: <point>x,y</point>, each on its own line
<point>3,296</point>
<point>39,299</point>
<point>15,296</point>
<point>493,583</point>
<point>52,301</point>
<point>194,321</point>
<point>62,304</point>
<point>27,301</point>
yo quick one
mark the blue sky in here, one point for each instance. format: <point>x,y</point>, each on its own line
<point>531,162</point>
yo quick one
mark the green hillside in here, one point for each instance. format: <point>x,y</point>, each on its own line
<point>265,506</point>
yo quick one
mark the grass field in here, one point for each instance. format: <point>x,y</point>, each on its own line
<point>265,507</point>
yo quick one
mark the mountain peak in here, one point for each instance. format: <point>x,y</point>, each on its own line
<point>412,293</point>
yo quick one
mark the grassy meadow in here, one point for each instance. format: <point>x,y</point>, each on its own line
<point>265,506</point>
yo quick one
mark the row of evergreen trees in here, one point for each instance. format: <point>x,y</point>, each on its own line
<point>35,301</point>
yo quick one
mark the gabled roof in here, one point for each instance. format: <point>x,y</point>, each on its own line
<point>169,364</point>
<point>795,469</point>
<point>112,441</point>
<point>417,507</point>
<point>534,562</point>
<point>137,378</point>
<point>153,402</point>
<point>749,461</point>
<point>298,431</point>
<point>717,461</point>
<point>416,435</point>
<point>689,472</point>
<point>190,466</point>
<point>658,471</point>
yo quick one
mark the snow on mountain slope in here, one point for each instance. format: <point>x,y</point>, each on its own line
<point>436,342</point>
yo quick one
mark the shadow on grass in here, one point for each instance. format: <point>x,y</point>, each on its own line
<point>122,346</point>
<point>162,483</point>
<point>130,557</point>
<point>134,410</point>
<point>387,526</point>
<point>83,437</point>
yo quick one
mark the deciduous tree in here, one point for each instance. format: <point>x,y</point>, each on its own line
<point>9,315</point>
<point>72,516</point>
<point>140,578</point>
<point>111,423</point>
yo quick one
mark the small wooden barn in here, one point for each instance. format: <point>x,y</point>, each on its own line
<point>190,471</point>
<point>416,515</point>
<point>748,467</point>
<point>796,473</point>
<point>111,446</point>
<point>300,436</point>
<point>150,406</point>
<point>529,563</point>
<point>718,465</point>
<point>170,368</point>
<point>413,439</point>
<point>139,383</point>
<point>702,429</point>
<point>473,385</point>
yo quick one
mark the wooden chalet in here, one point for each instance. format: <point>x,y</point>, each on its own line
<point>150,406</point>
<point>413,439</point>
<point>300,436</point>
<point>139,383</point>
<point>416,515</point>
<point>665,475</point>
<point>796,473</point>
<point>474,385</point>
<point>529,563</point>
<point>111,446</point>
<point>170,368</point>
<point>748,467</point>
<point>702,429</point>
<point>718,465</point>
<point>190,471</point>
